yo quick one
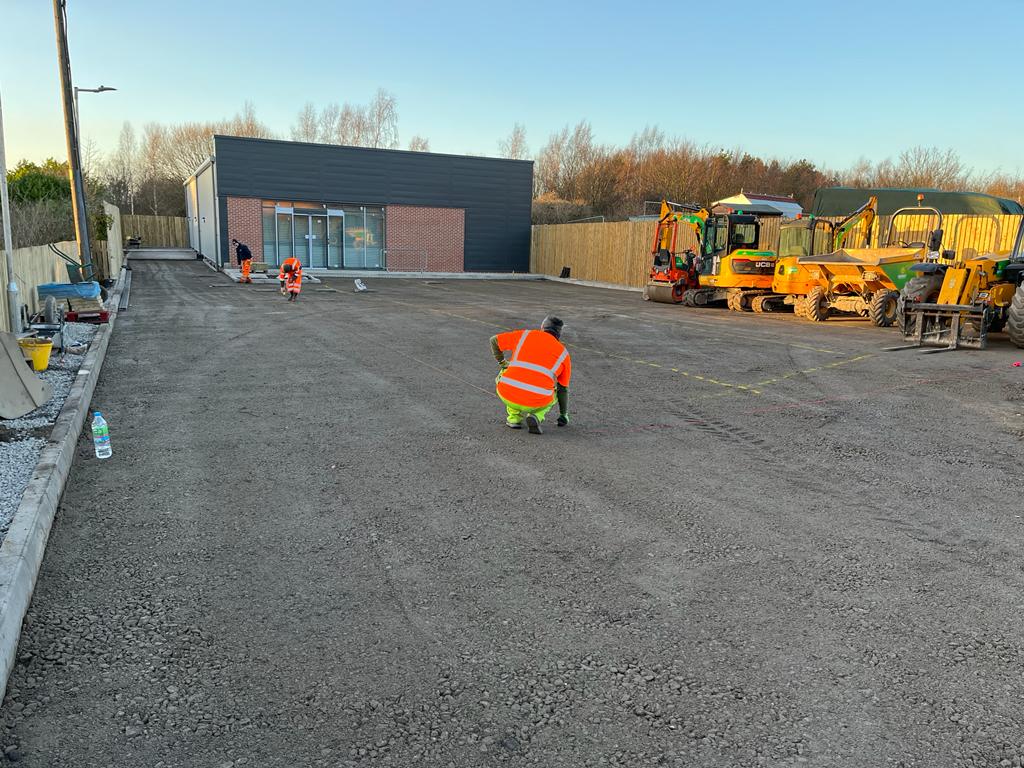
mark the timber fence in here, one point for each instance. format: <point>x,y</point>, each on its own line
<point>156,231</point>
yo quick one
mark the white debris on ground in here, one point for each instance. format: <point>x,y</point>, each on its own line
<point>22,440</point>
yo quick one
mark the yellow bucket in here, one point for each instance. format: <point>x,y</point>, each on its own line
<point>38,351</point>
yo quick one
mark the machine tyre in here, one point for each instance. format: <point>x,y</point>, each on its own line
<point>798,306</point>
<point>734,301</point>
<point>925,289</point>
<point>1015,318</point>
<point>884,308</point>
<point>814,309</point>
<point>759,304</point>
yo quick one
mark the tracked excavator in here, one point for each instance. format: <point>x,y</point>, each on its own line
<point>730,269</point>
<point>726,267</point>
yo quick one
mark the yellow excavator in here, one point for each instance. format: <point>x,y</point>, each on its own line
<point>730,269</point>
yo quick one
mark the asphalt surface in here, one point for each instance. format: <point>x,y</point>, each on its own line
<point>759,542</point>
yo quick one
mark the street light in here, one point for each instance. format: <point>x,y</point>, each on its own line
<point>101,89</point>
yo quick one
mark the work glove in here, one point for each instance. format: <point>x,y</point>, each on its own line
<point>563,420</point>
<point>503,364</point>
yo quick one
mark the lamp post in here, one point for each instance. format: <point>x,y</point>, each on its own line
<point>13,312</point>
<point>101,89</point>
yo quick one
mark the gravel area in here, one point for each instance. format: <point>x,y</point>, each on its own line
<point>760,542</point>
<point>23,439</point>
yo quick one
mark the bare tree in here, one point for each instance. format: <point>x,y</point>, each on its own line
<point>548,173</point>
<point>419,144</point>
<point>154,146</point>
<point>186,146</point>
<point>352,126</point>
<point>122,169</point>
<point>307,125</point>
<point>514,146</point>
<point>382,121</point>
<point>915,167</point>
<point>327,123</point>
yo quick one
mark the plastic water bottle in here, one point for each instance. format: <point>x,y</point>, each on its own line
<point>100,436</point>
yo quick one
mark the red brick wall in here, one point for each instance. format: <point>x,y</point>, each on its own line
<point>245,224</point>
<point>413,230</point>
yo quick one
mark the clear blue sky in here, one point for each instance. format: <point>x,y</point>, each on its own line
<point>828,81</point>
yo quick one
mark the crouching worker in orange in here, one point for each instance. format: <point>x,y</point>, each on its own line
<point>535,377</point>
<point>244,256</point>
<point>291,278</point>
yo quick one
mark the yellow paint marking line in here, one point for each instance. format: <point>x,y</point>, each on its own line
<point>725,384</point>
<point>791,374</point>
<point>648,363</point>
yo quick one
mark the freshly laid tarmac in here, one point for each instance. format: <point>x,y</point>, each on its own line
<point>759,542</point>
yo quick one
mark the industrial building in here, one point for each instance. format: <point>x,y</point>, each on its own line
<point>338,207</point>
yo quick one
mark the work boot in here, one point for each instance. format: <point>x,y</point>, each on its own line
<point>533,424</point>
<point>513,424</point>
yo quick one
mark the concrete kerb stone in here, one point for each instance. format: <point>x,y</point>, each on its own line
<point>593,284</point>
<point>21,554</point>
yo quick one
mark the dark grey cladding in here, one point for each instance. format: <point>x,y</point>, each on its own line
<point>495,193</point>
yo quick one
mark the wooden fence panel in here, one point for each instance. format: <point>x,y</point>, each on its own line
<point>34,266</point>
<point>156,231</point>
<point>619,252</point>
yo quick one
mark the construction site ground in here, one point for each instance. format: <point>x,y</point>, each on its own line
<point>761,541</point>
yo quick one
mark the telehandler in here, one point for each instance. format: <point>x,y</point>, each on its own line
<point>977,294</point>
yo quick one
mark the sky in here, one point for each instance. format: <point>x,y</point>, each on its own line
<point>827,81</point>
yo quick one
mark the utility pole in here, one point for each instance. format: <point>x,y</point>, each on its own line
<point>71,130</point>
<point>13,313</point>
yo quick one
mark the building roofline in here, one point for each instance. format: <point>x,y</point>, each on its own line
<point>366,149</point>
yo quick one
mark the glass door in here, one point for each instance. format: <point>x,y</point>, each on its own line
<point>285,247</point>
<point>318,242</point>
<point>335,239</point>
<point>300,236</point>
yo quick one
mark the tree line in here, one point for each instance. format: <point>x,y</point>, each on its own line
<point>575,176</point>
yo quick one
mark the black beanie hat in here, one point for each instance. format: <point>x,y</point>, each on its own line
<point>552,325</point>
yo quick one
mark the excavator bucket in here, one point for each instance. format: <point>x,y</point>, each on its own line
<point>20,391</point>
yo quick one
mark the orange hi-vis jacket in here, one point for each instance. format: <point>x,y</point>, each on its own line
<point>293,279</point>
<point>538,362</point>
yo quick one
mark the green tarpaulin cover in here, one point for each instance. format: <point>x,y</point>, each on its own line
<point>840,201</point>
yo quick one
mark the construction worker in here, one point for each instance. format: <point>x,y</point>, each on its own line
<point>290,276</point>
<point>244,256</point>
<point>535,376</point>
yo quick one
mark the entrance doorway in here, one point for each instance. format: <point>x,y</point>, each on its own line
<point>315,239</point>
<point>326,236</point>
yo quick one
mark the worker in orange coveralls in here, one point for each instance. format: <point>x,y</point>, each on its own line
<point>291,278</point>
<point>535,377</point>
<point>244,256</point>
